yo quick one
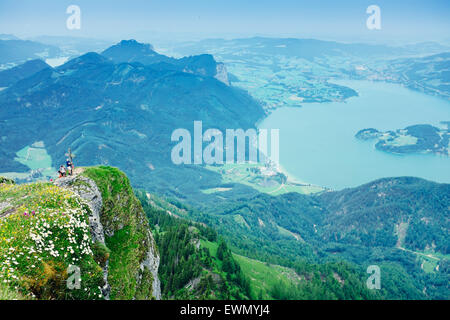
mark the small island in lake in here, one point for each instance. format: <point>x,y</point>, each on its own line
<point>421,138</point>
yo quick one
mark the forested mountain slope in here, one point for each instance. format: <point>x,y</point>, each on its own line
<point>122,114</point>
<point>401,223</point>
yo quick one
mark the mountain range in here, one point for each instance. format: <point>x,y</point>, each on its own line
<point>429,74</point>
<point>120,108</point>
<point>132,51</point>
<point>23,71</point>
<point>400,224</point>
<point>420,66</point>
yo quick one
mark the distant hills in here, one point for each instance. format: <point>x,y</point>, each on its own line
<point>18,51</point>
<point>370,213</point>
<point>400,224</point>
<point>423,66</point>
<point>122,113</point>
<point>74,46</point>
<point>5,36</point>
<point>429,74</point>
<point>11,76</point>
<point>132,51</point>
<point>308,49</point>
<point>366,215</point>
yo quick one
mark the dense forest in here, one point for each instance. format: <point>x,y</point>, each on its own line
<point>188,270</point>
<point>399,224</point>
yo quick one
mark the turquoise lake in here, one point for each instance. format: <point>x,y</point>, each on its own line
<point>318,144</point>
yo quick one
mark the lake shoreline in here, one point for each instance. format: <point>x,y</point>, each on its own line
<point>322,135</point>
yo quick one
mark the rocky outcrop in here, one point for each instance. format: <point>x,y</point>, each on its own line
<point>134,259</point>
<point>117,214</point>
<point>87,190</point>
<point>151,262</point>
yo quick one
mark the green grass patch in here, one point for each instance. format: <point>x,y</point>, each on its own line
<point>36,158</point>
<point>262,276</point>
<point>257,177</point>
<point>123,263</point>
<point>123,217</point>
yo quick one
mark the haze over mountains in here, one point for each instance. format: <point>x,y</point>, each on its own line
<point>421,66</point>
<point>120,106</point>
<point>19,51</point>
<point>430,74</point>
<point>132,51</point>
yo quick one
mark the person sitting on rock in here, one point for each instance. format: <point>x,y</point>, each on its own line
<point>62,171</point>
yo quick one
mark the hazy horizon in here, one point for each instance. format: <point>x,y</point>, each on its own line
<point>175,20</point>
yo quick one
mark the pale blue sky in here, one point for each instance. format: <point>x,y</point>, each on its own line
<point>408,20</point>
